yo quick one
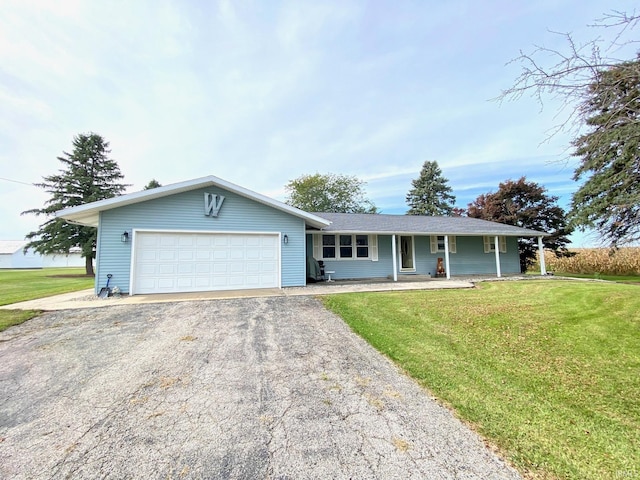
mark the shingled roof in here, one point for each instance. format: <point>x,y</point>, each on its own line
<point>418,224</point>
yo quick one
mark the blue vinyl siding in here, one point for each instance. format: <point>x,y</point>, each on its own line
<point>185,211</point>
<point>470,259</point>
<point>359,268</point>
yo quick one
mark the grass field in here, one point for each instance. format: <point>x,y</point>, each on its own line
<point>21,285</point>
<point>549,371</point>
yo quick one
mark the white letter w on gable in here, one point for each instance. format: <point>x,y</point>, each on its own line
<point>212,204</point>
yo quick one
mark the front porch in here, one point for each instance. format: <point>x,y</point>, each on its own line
<point>414,258</point>
<point>416,279</point>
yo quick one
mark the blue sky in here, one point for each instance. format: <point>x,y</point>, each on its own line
<point>261,92</point>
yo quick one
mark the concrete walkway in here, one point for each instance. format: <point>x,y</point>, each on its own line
<point>88,299</point>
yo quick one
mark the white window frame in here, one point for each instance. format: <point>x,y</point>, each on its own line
<point>323,246</point>
<point>435,243</point>
<point>489,244</point>
<point>350,245</point>
<point>372,247</point>
<point>356,246</point>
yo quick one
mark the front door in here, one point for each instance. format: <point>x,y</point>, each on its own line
<point>407,254</point>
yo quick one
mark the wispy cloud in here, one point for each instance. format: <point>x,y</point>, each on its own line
<point>261,92</point>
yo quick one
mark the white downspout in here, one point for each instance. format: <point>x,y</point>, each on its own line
<point>497,245</point>
<point>543,267</point>
<point>446,256</point>
<point>393,256</point>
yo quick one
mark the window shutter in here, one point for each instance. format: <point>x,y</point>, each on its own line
<point>503,244</point>
<point>317,252</point>
<point>487,244</point>
<point>452,244</point>
<point>373,246</point>
<point>434,244</point>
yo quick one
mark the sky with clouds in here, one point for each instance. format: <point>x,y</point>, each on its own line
<point>261,92</point>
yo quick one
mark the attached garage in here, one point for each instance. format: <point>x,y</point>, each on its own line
<point>200,235</point>
<point>172,262</point>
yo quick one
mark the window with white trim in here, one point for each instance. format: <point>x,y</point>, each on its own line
<point>347,246</point>
<point>328,246</point>
<point>437,244</point>
<point>490,244</point>
<point>362,246</point>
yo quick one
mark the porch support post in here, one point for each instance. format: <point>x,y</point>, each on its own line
<point>446,256</point>
<point>394,259</point>
<point>497,245</point>
<point>543,267</point>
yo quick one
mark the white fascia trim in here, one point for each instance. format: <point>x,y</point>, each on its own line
<point>346,232</point>
<point>423,234</point>
<point>88,214</point>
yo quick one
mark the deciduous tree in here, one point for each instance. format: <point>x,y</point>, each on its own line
<point>527,205</point>
<point>431,194</point>
<point>88,175</point>
<point>329,193</point>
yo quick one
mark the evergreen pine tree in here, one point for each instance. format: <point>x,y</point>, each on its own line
<point>430,194</point>
<point>609,198</point>
<point>88,175</point>
<point>153,183</point>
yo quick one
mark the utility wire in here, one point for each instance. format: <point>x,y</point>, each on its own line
<point>17,181</point>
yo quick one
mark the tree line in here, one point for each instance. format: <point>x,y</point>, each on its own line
<point>520,202</point>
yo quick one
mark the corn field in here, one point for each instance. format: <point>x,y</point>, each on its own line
<point>591,261</point>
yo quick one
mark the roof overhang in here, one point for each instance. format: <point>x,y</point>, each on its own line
<point>89,214</point>
<point>530,233</point>
<point>385,224</point>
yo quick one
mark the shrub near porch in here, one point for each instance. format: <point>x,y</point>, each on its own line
<point>546,370</point>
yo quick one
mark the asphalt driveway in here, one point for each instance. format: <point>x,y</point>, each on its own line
<point>273,387</point>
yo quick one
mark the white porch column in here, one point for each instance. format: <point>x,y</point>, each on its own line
<point>497,245</point>
<point>446,256</point>
<point>543,267</point>
<point>393,256</point>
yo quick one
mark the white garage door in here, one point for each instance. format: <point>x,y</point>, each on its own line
<point>167,262</point>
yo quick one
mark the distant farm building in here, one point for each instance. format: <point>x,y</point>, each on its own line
<point>12,255</point>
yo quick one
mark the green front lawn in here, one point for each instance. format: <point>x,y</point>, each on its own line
<point>549,371</point>
<point>592,276</point>
<point>9,318</point>
<point>21,285</point>
<point>598,276</point>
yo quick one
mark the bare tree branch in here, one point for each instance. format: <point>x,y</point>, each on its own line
<point>567,76</point>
